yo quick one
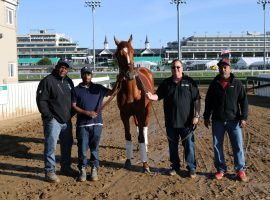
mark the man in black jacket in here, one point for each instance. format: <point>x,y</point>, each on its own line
<point>226,101</point>
<point>54,104</point>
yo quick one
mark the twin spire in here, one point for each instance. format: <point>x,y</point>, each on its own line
<point>146,43</point>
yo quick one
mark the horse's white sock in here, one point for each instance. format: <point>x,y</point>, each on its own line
<point>145,135</point>
<point>142,148</point>
<point>129,149</point>
<point>137,130</point>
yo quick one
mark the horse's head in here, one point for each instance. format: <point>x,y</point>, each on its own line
<point>124,55</point>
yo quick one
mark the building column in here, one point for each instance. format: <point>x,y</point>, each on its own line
<point>193,55</point>
<point>205,55</point>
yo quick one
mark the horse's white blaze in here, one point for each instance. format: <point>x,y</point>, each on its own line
<point>126,50</point>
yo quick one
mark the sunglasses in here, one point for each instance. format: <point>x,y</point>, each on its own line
<point>177,67</point>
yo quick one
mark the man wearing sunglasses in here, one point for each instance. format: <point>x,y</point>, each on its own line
<point>182,110</point>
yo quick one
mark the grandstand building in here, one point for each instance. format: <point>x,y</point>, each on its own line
<point>34,46</point>
<point>210,47</point>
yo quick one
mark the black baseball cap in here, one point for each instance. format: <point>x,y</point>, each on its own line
<point>223,63</point>
<point>63,61</point>
<point>86,70</point>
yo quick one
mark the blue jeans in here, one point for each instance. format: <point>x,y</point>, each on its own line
<point>88,136</point>
<point>52,131</point>
<point>188,144</point>
<point>235,134</point>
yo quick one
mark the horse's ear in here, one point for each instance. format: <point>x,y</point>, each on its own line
<point>116,41</point>
<point>130,39</point>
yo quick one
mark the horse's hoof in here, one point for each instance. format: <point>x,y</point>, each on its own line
<point>146,168</point>
<point>128,164</point>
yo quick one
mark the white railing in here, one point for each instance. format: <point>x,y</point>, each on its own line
<point>21,98</point>
<point>264,91</point>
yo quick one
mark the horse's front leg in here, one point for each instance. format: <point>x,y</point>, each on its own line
<point>129,146</point>
<point>146,122</point>
<point>145,132</point>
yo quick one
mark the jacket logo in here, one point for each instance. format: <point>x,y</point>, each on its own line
<point>185,85</point>
<point>69,86</point>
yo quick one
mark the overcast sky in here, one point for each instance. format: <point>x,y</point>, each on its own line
<point>155,18</point>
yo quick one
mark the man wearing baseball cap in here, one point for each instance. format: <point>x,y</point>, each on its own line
<point>226,101</point>
<point>86,101</point>
<point>54,103</point>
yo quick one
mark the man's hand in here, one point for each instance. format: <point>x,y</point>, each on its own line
<point>207,123</point>
<point>92,114</point>
<point>243,123</point>
<point>151,96</point>
<point>195,120</point>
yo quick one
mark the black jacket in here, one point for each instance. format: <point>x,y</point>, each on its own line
<point>54,97</point>
<point>178,101</point>
<point>226,104</point>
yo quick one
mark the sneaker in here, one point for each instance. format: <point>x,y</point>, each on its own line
<point>94,174</point>
<point>192,173</point>
<point>82,176</point>
<point>241,175</point>
<point>173,172</point>
<point>51,177</point>
<point>219,175</point>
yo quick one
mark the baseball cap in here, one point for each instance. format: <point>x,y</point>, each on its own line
<point>223,63</point>
<point>63,61</point>
<point>86,70</point>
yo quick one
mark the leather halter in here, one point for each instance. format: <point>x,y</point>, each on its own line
<point>129,74</point>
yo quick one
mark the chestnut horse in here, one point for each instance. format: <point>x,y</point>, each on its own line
<point>131,99</point>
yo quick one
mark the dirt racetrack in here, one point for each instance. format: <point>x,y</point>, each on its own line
<point>21,162</point>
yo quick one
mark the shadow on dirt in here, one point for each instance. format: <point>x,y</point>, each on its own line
<point>14,146</point>
<point>259,101</point>
<point>111,147</point>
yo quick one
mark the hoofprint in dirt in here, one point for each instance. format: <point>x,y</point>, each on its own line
<point>22,176</point>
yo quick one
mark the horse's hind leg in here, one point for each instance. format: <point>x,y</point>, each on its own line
<point>129,146</point>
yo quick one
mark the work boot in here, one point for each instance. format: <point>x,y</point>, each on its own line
<point>173,172</point>
<point>94,174</point>
<point>192,173</point>
<point>82,175</point>
<point>51,177</point>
